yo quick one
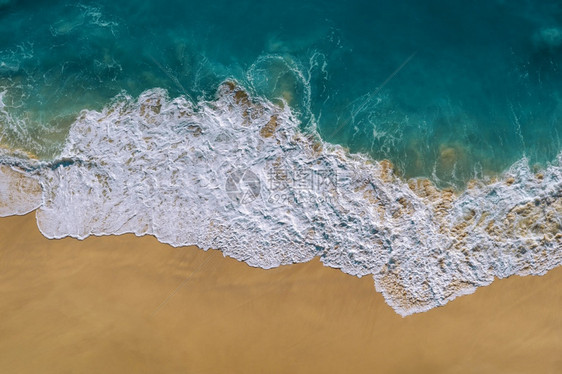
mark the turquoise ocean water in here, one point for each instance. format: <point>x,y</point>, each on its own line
<point>444,89</point>
<point>260,128</point>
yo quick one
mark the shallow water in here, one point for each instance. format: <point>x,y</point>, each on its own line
<point>446,91</point>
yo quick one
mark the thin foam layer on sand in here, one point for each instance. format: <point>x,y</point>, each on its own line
<point>126,304</point>
<point>239,174</point>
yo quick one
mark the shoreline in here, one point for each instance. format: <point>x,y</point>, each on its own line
<point>127,303</point>
<point>252,200</point>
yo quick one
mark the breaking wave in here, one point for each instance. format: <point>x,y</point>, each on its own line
<point>237,174</point>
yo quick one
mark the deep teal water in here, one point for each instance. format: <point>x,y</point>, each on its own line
<point>446,89</point>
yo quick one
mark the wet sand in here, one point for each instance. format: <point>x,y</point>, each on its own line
<point>127,304</point>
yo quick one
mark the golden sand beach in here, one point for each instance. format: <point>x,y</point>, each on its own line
<point>133,305</point>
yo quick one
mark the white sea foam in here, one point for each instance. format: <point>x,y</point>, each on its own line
<point>236,174</point>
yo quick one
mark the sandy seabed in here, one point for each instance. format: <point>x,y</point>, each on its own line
<point>133,305</point>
